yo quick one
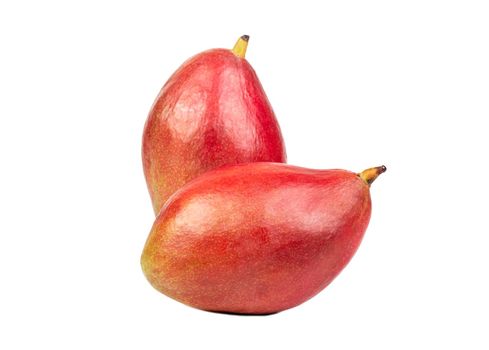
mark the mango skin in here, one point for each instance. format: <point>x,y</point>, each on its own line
<point>212,112</point>
<point>256,238</point>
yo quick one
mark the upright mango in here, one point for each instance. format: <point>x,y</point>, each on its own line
<point>210,113</point>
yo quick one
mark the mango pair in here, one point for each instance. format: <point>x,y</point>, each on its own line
<point>237,230</point>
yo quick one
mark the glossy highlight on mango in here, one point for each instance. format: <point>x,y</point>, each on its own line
<point>257,238</point>
<point>212,112</point>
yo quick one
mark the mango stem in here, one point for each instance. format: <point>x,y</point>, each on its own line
<point>369,175</point>
<point>240,47</point>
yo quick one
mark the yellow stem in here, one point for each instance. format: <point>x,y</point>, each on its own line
<point>240,47</point>
<point>369,175</point>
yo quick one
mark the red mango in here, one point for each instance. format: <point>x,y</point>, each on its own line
<point>210,113</point>
<point>257,238</point>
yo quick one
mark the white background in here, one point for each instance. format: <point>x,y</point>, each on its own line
<point>354,84</point>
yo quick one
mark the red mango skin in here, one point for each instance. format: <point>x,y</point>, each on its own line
<point>256,238</point>
<point>212,112</point>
